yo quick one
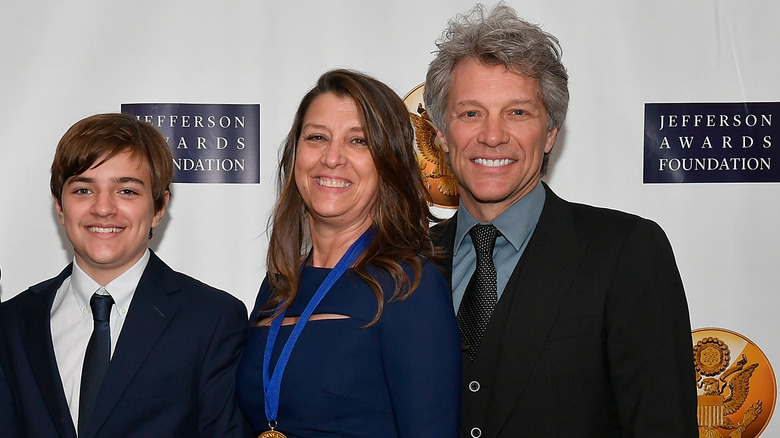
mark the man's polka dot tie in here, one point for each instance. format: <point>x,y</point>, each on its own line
<point>481,293</point>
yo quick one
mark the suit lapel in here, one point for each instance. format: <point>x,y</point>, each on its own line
<point>153,306</point>
<point>529,306</point>
<point>539,286</point>
<point>40,352</point>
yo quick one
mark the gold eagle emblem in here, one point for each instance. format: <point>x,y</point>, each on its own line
<point>440,182</point>
<point>430,152</point>
<point>723,390</point>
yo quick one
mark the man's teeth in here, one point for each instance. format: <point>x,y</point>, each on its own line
<point>105,230</point>
<point>493,163</point>
<point>327,182</point>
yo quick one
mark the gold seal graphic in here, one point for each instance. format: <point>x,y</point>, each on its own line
<point>711,356</point>
<point>437,174</point>
<point>735,399</point>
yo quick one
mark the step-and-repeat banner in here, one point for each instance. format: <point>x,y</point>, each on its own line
<point>674,116</point>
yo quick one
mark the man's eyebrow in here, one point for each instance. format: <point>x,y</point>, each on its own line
<point>468,102</point>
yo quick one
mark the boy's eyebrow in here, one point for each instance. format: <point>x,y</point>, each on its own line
<point>79,179</point>
<point>117,180</point>
<point>127,179</point>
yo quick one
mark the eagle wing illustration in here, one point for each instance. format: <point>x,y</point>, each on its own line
<point>739,387</point>
<point>425,135</point>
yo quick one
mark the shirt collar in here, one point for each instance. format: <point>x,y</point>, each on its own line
<point>515,224</point>
<point>121,288</point>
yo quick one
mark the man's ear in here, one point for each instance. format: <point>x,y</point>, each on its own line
<point>443,141</point>
<point>551,136</point>
<point>59,210</point>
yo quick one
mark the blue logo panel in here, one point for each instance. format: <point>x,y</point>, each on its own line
<point>211,143</point>
<point>711,142</point>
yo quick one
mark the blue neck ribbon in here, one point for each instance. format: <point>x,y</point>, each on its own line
<point>272,382</point>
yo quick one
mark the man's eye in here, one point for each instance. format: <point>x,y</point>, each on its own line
<point>518,112</point>
<point>471,114</point>
<point>81,191</point>
<point>128,192</point>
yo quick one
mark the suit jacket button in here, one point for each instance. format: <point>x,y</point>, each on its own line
<point>476,432</point>
<point>474,386</point>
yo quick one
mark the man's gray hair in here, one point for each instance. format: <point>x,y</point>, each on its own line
<point>498,37</point>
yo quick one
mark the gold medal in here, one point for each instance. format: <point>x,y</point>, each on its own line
<point>271,433</point>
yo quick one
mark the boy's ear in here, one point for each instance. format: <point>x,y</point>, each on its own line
<point>59,210</point>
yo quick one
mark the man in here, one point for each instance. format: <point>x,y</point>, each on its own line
<point>174,342</point>
<point>578,324</point>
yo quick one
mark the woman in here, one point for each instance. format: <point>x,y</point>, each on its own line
<point>380,353</point>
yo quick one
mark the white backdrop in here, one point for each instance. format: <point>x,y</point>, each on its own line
<point>64,60</point>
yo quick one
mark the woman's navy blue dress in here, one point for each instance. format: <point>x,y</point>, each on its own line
<point>400,377</point>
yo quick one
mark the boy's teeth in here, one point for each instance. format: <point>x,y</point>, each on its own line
<point>104,230</point>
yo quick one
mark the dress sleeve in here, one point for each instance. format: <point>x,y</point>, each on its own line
<point>260,300</point>
<point>421,352</point>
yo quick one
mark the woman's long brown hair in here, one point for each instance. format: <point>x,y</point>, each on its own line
<point>401,215</point>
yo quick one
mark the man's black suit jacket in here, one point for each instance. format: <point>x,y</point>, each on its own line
<point>171,375</point>
<point>591,336</point>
